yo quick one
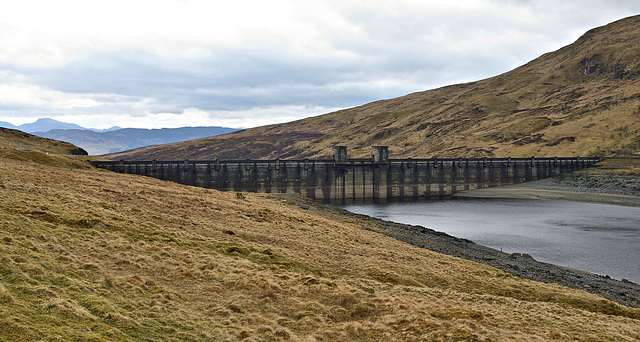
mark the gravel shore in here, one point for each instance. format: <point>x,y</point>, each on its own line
<point>605,189</point>
<point>590,188</point>
<point>523,265</point>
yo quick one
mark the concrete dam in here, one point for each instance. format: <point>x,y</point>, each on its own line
<point>344,179</point>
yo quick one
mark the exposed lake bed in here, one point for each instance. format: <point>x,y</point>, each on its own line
<point>516,263</point>
<point>622,190</point>
<point>522,263</point>
<point>602,239</point>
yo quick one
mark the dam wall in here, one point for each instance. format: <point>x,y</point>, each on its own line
<point>340,178</point>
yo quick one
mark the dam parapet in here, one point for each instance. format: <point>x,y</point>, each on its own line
<point>342,178</point>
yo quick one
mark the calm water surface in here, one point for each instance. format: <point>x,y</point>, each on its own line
<point>602,239</point>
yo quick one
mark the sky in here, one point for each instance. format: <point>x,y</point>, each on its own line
<point>247,63</point>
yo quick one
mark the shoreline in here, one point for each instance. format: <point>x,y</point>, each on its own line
<point>517,264</point>
<point>553,190</point>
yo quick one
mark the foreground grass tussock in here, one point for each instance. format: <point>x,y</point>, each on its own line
<point>98,256</point>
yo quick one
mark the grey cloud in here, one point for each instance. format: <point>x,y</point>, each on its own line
<point>245,78</point>
<point>229,78</point>
<point>414,52</point>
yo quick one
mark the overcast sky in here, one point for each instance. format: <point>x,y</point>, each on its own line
<point>245,63</point>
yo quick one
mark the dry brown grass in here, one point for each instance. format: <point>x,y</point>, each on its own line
<point>11,139</point>
<point>618,166</point>
<point>94,255</point>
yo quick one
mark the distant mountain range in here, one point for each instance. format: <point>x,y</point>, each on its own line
<point>42,125</point>
<point>47,124</point>
<point>114,139</point>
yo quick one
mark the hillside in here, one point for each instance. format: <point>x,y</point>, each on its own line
<point>583,99</point>
<point>11,139</point>
<point>97,143</point>
<point>125,258</point>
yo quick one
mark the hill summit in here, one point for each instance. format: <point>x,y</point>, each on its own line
<point>583,99</point>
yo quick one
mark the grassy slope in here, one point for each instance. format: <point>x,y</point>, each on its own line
<point>94,255</point>
<point>583,99</point>
<point>11,139</point>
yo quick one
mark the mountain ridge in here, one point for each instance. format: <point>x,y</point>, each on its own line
<point>41,125</point>
<point>114,139</point>
<point>582,99</point>
<point>110,141</point>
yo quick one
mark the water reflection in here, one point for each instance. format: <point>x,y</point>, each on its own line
<point>603,239</point>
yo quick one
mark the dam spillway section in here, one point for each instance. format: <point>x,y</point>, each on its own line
<point>341,178</point>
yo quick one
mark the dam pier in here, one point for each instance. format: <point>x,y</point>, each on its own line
<point>341,178</point>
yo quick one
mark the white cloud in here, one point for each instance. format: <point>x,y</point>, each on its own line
<point>245,63</point>
<point>30,95</point>
<point>252,117</point>
<point>189,117</point>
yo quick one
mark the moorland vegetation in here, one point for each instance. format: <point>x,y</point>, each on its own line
<point>91,255</point>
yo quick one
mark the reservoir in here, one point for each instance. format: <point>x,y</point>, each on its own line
<point>602,239</point>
